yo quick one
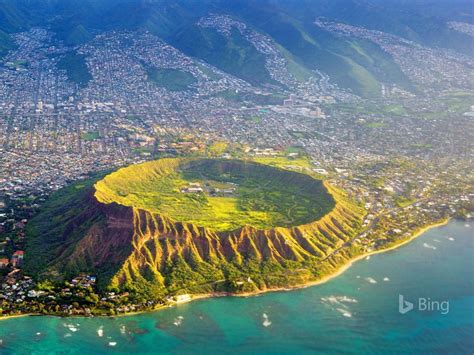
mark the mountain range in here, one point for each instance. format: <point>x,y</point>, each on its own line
<point>290,28</point>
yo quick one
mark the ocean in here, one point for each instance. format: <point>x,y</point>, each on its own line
<point>356,312</point>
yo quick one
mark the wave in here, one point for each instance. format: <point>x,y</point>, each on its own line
<point>347,299</point>
<point>370,280</point>
<point>338,300</point>
<point>344,312</point>
<point>266,321</point>
<point>178,321</point>
<point>73,328</point>
<point>426,245</point>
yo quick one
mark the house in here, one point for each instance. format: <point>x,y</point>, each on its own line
<point>3,262</point>
<point>193,187</point>
<point>17,258</point>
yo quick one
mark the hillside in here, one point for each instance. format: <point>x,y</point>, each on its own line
<point>141,248</point>
<point>236,55</point>
<point>351,62</point>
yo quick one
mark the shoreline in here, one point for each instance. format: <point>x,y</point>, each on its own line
<point>343,268</point>
<point>19,316</point>
<point>339,271</point>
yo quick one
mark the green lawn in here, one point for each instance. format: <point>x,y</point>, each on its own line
<point>170,79</point>
<point>375,125</point>
<point>90,136</point>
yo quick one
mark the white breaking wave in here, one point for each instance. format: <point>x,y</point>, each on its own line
<point>338,301</point>
<point>344,312</point>
<point>178,321</point>
<point>72,327</point>
<point>330,299</point>
<point>426,245</point>
<point>266,322</point>
<point>370,280</point>
<point>347,299</point>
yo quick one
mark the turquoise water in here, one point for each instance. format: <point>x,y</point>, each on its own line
<point>356,312</point>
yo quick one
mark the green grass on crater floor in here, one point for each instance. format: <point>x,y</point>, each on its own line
<point>264,196</point>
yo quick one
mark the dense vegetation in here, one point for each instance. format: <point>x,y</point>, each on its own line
<point>57,222</point>
<point>171,79</point>
<point>76,68</point>
<point>6,43</point>
<point>236,55</point>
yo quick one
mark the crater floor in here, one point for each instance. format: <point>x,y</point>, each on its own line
<point>222,195</point>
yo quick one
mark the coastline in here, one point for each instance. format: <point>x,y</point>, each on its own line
<point>343,268</point>
<point>18,316</point>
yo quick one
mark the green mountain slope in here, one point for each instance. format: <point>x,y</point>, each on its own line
<point>233,54</point>
<point>355,64</point>
<point>352,63</point>
<point>6,43</point>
